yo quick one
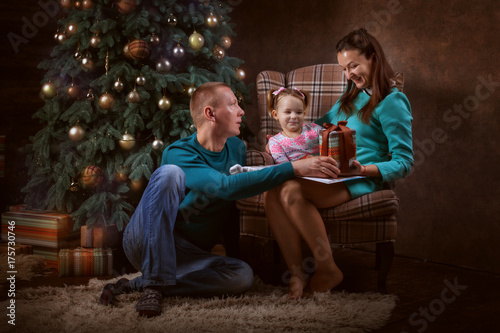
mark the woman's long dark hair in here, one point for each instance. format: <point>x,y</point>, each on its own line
<point>382,75</point>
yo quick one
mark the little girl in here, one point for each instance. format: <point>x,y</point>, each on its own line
<point>297,140</point>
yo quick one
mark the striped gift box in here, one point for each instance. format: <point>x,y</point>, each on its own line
<point>41,228</point>
<point>48,253</point>
<point>99,237</point>
<point>17,249</point>
<point>85,262</point>
<point>47,232</point>
<point>336,149</point>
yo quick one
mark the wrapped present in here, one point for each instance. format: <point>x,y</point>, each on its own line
<point>49,254</point>
<point>85,262</point>
<point>41,228</point>
<point>338,142</point>
<point>17,249</point>
<point>16,208</point>
<point>99,237</point>
<point>46,231</point>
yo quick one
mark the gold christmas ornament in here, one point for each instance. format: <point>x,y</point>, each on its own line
<point>88,63</point>
<point>87,4</point>
<point>76,133</point>
<point>136,185</point>
<point>61,38</point>
<point>118,85</point>
<point>164,103</point>
<point>106,101</point>
<point>191,90</point>
<point>90,94</point>
<point>121,175</point>
<point>126,51</point>
<point>95,40</point>
<point>126,6</point>
<point>219,52</point>
<point>240,74</point>
<point>134,97</point>
<point>72,29</point>
<point>66,4</point>
<point>78,4</point>
<point>49,90</point>
<point>211,20</point>
<point>127,141</point>
<point>226,42</point>
<point>73,91</point>
<point>196,41</point>
<point>77,55</point>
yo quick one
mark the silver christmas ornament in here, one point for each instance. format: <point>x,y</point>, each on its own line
<point>178,51</point>
<point>163,66</point>
<point>157,144</point>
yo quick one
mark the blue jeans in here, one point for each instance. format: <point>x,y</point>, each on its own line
<point>165,258</point>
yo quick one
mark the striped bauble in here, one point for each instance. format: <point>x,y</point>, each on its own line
<point>138,49</point>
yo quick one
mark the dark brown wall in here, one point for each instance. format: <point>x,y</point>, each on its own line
<point>449,204</point>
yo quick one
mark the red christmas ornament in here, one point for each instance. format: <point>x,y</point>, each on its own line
<point>91,176</point>
<point>138,49</point>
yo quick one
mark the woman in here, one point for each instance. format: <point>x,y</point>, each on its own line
<point>382,119</point>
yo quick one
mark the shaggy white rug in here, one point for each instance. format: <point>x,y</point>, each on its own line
<point>264,308</point>
<point>26,266</point>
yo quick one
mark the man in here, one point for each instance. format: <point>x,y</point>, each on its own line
<point>187,203</point>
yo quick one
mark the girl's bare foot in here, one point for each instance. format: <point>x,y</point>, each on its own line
<point>296,287</point>
<point>323,281</point>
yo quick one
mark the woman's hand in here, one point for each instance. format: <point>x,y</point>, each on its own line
<point>355,170</point>
<point>317,166</point>
<point>362,170</point>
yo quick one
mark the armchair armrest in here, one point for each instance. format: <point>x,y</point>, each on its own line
<point>256,157</point>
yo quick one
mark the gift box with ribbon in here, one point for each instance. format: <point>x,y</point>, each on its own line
<point>99,237</point>
<point>338,142</point>
<point>85,262</point>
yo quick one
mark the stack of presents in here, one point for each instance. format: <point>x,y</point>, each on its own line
<point>51,235</point>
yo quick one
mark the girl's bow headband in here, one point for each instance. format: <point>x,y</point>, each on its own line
<point>276,92</point>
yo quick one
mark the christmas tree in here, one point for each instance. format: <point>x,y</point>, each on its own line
<point>116,89</point>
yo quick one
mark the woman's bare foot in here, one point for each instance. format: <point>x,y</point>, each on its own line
<point>323,282</point>
<point>296,287</point>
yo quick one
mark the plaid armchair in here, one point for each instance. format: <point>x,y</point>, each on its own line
<point>367,219</point>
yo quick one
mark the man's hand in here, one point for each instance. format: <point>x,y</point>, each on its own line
<point>318,166</point>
